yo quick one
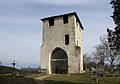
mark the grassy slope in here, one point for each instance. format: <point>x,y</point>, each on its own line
<point>6,69</point>
<point>7,79</point>
<point>83,78</point>
<point>110,80</point>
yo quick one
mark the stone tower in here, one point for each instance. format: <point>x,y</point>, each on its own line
<point>61,50</point>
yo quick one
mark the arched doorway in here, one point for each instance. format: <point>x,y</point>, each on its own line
<point>59,61</point>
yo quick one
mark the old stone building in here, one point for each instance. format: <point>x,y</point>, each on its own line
<point>61,50</point>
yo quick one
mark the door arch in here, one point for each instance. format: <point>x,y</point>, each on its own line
<point>59,61</point>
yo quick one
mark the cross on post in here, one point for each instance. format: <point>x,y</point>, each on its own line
<point>13,63</point>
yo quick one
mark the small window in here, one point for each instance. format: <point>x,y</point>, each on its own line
<point>66,39</point>
<point>65,19</point>
<point>51,21</point>
<point>76,23</point>
<point>77,43</point>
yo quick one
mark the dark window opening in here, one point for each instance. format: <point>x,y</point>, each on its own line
<point>66,39</point>
<point>65,19</point>
<point>77,43</point>
<point>76,23</point>
<point>51,21</point>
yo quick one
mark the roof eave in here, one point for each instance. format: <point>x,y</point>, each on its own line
<point>73,13</point>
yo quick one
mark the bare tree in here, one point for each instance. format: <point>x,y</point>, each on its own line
<point>111,54</point>
<point>87,61</point>
<point>104,52</point>
<point>99,54</point>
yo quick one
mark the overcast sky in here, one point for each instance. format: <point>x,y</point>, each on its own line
<point>21,28</point>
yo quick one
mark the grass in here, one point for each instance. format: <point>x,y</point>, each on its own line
<point>73,78</point>
<point>8,79</point>
<point>36,75</point>
<point>7,70</point>
<point>110,80</point>
<point>83,78</point>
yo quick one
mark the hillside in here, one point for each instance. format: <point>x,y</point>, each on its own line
<point>7,70</point>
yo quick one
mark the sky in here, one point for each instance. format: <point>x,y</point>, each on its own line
<point>21,27</point>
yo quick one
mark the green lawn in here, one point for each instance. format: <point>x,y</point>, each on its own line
<point>83,78</point>
<point>8,79</point>
<point>8,70</point>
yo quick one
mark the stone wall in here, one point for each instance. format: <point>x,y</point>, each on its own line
<point>54,36</point>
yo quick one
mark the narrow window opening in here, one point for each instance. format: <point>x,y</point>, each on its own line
<point>66,39</point>
<point>76,23</point>
<point>65,19</point>
<point>77,43</point>
<point>51,21</point>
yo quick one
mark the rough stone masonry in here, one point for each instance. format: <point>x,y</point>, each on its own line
<point>61,50</point>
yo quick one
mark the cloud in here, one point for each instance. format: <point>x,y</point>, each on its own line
<point>56,2</point>
<point>70,2</point>
<point>67,2</point>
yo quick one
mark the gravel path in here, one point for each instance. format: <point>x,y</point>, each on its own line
<point>40,80</point>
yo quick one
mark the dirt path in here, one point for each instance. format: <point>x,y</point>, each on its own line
<point>40,80</point>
